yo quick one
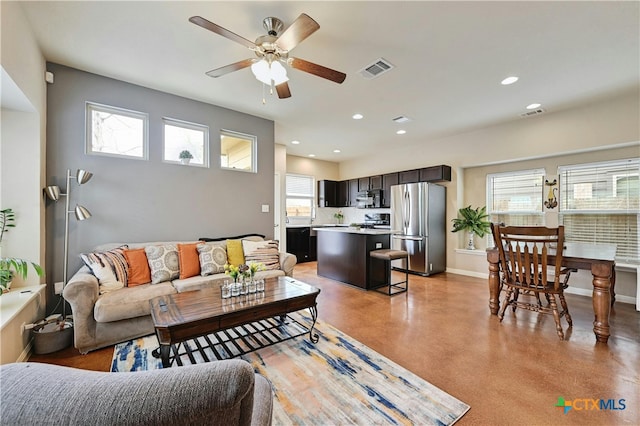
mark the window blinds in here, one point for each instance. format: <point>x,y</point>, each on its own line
<point>515,198</point>
<point>600,204</point>
<point>299,186</point>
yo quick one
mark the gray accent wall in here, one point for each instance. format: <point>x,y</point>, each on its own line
<point>137,200</point>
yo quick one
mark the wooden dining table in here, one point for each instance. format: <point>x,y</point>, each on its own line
<point>597,258</point>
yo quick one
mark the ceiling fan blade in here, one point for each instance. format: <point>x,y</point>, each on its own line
<point>283,90</point>
<point>199,20</point>
<point>315,69</point>
<point>219,72</point>
<point>301,28</point>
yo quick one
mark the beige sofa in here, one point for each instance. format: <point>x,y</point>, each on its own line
<point>105,319</point>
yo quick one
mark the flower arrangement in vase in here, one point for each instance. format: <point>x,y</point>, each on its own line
<point>338,216</point>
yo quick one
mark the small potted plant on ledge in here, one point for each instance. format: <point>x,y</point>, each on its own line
<point>185,156</point>
<point>474,222</point>
<point>12,265</point>
<point>338,216</point>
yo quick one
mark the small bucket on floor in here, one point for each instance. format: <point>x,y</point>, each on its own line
<point>52,337</point>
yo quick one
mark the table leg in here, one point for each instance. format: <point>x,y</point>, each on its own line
<point>613,285</point>
<point>494,280</point>
<point>163,353</point>
<point>602,275</point>
<point>314,316</point>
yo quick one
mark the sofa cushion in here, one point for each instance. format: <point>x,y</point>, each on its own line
<point>139,272</point>
<point>265,252</point>
<point>163,262</point>
<point>235,255</point>
<point>188,260</point>
<point>213,257</point>
<point>129,302</point>
<point>110,267</point>
<point>199,282</point>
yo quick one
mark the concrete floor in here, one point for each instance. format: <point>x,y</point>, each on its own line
<point>509,373</point>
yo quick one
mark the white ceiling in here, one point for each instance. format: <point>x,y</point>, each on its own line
<point>450,58</point>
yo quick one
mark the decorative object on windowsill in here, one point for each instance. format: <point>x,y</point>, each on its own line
<point>339,216</point>
<point>185,157</point>
<point>552,199</point>
<point>60,336</point>
<point>474,222</point>
<point>9,266</point>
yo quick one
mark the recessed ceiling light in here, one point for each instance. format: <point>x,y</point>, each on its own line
<point>357,116</point>
<point>533,106</point>
<point>312,155</point>
<point>509,80</point>
<point>295,142</point>
<point>337,151</point>
<point>401,132</point>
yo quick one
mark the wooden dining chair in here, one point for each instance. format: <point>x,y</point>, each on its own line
<point>526,270</point>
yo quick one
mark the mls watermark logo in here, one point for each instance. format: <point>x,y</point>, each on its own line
<point>590,404</point>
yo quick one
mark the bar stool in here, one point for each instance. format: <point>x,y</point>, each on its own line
<point>387,255</point>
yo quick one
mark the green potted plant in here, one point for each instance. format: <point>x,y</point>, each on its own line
<point>185,156</point>
<point>12,265</point>
<point>474,222</point>
<point>338,216</point>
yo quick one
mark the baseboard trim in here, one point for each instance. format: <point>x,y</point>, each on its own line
<point>26,353</point>
<point>572,290</point>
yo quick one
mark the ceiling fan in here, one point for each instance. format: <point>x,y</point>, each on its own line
<point>272,50</point>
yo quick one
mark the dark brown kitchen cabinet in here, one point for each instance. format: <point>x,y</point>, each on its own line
<point>343,193</point>
<point>436,174</point>
<point>328,193</point>
<point>388,181</point>
<point>409,176</point>
<point>363,184</point>
<point>353,192</point>
<point>375,182</point>
<point>301,243</point>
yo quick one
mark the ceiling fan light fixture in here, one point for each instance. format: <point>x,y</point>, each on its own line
<point>265,72</point>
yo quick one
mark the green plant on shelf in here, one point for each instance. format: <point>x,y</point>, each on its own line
<point>10,266</point>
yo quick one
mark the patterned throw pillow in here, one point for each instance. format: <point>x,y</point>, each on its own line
<point>163,262</point>
<point>109,267</point>
<point>265,252</point>
<point>212,259</point>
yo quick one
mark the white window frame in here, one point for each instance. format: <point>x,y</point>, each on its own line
<point>311,197</point>
<point>538,212</point>
<point>573,212</point>
<point>166,121</point>
<point>92,106</point>
<point>254,150</point>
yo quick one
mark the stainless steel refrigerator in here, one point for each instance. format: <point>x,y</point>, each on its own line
<point>418,212</point>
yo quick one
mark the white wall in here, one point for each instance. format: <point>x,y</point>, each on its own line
<point>22,143</point>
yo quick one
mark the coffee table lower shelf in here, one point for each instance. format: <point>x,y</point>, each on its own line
<point>237,341</point>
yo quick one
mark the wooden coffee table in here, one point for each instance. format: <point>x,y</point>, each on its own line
<point>184,316</point>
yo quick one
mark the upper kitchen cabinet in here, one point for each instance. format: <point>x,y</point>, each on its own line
<point>343,193</point>
<point>353,193</point>
<point>388,181</point>
<point>375,182</point>
<point>409,176</point>
<point>363,184</point>
<point>328,193</point>
<point>436,174</point>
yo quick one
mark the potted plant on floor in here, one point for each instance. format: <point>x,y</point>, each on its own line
<point>185,156</point>
<point>12,265</point>
<point>474,222</point>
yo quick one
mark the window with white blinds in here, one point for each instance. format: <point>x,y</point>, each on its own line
<point>515,198</point>
<point>300,195</point>
<point>600,204</point>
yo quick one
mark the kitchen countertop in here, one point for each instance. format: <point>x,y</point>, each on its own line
<point>319,225</point>
<point>349,230</point>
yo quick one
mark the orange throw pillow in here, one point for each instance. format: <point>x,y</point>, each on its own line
<point>189,260</point>
<point>139,272</point>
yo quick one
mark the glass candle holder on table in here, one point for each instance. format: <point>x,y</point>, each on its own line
<point>260,284</point>
<point>225,289</point>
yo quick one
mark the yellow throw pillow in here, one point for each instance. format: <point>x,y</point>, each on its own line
<point>235,255</point>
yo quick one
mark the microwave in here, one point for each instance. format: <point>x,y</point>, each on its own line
<point>371,199</point>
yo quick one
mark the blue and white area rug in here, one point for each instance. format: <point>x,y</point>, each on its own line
<point>337,381</point>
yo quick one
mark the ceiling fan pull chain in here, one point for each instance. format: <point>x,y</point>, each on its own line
<point>264,101</point>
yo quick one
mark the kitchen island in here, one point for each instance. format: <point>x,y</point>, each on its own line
<point>343,255</point>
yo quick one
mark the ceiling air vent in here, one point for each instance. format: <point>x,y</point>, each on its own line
<point>531,113</point>
<point>377,68</point>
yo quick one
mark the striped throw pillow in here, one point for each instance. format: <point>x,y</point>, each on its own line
<point>265,252</point>
<point>109,267</point>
